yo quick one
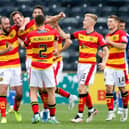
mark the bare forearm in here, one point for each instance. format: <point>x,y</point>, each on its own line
<point>105,55</point>
<point>61,32</point>
<point>21,42</point>
<point>4,51</point>
<point>118,45</point>
<point>67,44</point>
<point>51,19</point>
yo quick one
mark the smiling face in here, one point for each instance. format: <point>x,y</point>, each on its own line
<point>113,22</point>
<point>5,24</point>
<point>18,19</point>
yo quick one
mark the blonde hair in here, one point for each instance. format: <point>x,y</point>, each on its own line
<point>93,16</point>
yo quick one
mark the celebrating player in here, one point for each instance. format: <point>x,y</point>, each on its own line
<point>43,44</point>
<point>89,40</point>
<point>115,71</point>
<point>10,70</point>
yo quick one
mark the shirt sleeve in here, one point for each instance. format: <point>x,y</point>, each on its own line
<point>74,35</point>
<point>123,37</point>
<point>102,41</point>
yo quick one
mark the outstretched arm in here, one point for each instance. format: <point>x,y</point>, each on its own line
<point>61,32</point>
<point>51,19</point>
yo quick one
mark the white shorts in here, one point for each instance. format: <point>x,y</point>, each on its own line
<point>86,73</point>
<point>28,65</point>
<point>58,67</point>
<point>40,77</point>
<point>11,76</point>
<point>115,77</point>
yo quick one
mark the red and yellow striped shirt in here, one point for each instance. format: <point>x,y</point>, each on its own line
<point>42,48</point>
<point>3,57</point>
<point>117,57</point>
<point>10,59</point>
<point>88,45</point>
<point>30,27</point>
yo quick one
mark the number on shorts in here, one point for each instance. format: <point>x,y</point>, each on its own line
<point>121,80</point>
<point>44,46</point>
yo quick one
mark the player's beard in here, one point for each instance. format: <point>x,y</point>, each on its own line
<point>6,31</point>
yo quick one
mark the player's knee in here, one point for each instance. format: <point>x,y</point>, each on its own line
<point>82,89</point>
<point>109,89</point>
<point>57,90</point>
<point>19,97</point>
<point>3,91</point>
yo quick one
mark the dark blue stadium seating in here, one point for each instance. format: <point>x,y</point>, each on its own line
<point>75,10</point>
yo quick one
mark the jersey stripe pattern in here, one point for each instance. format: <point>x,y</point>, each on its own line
<point>30,27</point>
<point>3,57</point>
<point>10,59</point>
<point>117,58</point>
<point>88,45</point>
<point>42,48</point>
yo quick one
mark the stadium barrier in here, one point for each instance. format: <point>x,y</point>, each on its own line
<point>69,82</point>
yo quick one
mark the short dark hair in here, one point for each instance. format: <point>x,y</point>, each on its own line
<point>39,20</point>
<point>14,13</point>
<point>38,7</point>
<point>122,21</point>
<point>114,17</point>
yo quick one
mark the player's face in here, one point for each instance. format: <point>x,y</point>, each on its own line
<point>18,20</point>
<point>112,24</point>
<point>5,23</point>
<point>88,21</point>
<point>37,12</point>
<point>122,26</point>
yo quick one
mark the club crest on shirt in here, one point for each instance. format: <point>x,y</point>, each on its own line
<point>83,46</point>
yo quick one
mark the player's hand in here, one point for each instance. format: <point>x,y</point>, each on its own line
<point>100,53</point>
<point>108,40</point>
<point>59,51</point>
<point>22,28</point>
<point>62,15</point>
<point>101,66</point>
<point>9,46</point>
<point>56,53</point>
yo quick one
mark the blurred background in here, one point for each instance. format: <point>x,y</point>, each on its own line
<point>75,10</point>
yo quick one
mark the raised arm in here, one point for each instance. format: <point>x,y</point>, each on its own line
<point>61,32</point>
<point>51,19</point>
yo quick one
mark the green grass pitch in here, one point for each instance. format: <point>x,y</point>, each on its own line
<point>64,116</point>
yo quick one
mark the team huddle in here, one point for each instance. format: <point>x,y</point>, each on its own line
<point>42,37</point>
